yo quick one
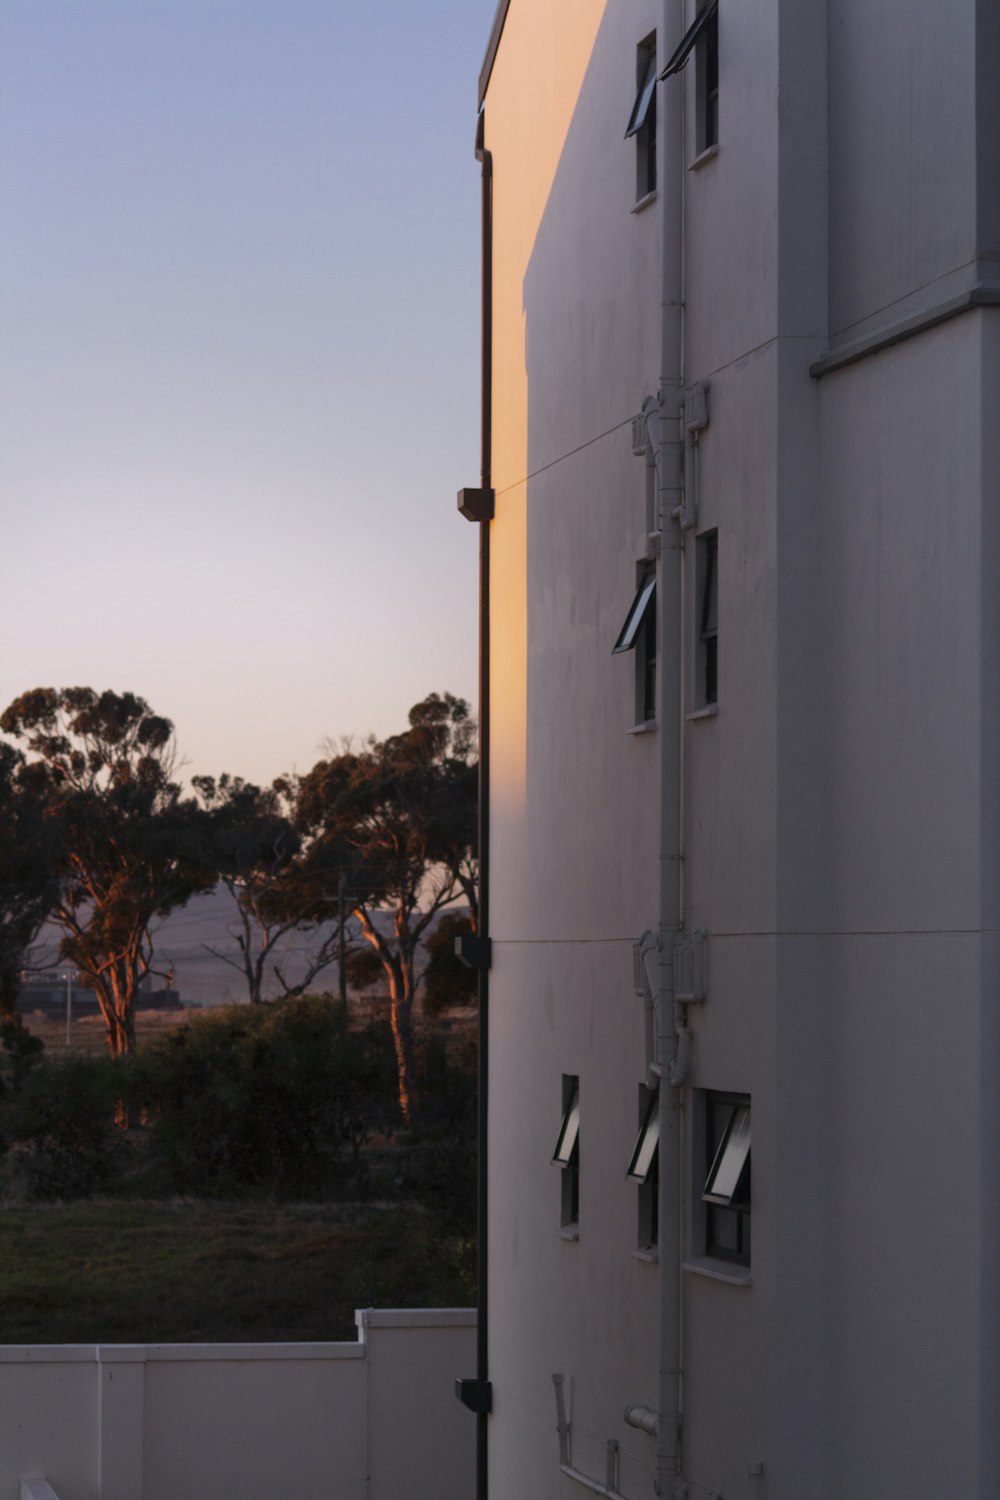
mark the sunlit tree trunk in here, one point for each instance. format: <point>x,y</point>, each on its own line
<point>400,977</point>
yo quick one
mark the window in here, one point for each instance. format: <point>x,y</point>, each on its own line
<point>567,1152</point>
<point>642,121</point>
<point>727,1186</point>
<point>707,85</point>
<point>702,38</point>
<point>644,1168</point>
<point>638,634</point>
<point>707,625</point>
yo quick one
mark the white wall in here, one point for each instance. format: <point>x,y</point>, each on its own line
<point>361,1421</point>
<point>842,807</point>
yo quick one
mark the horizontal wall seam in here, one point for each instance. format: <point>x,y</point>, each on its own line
<point>942,312</point>
<point>714,936</point>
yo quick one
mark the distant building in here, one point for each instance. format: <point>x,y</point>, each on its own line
<point>46,996</point>
<point>744,738</point>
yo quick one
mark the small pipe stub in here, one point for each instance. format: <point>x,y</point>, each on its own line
<point>643,1417</point>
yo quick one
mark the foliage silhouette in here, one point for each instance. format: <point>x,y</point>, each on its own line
<point>129,848</point>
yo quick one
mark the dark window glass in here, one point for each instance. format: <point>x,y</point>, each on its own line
<point>727,1183</point>
<point>567,1152</point>
<point>708,618</point>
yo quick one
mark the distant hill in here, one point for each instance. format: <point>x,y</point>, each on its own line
<point>199,976</point>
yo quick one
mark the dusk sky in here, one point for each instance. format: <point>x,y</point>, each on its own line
<point>239,285</point>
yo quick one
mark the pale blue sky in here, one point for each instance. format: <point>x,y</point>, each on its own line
<point>239,282</point>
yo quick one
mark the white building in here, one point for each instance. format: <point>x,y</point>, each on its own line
<point>791,266</point>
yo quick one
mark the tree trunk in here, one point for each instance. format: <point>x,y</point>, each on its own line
<point>401,1021</point>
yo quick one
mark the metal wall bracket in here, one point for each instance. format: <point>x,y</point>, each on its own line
<point>474,951</point>
<point>477,1395</point>
<point>476,505</point>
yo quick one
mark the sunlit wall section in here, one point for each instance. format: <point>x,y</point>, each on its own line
<point>533,93</point>
<point>575,787</point>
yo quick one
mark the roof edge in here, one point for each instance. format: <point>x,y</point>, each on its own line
<point>491,49</point>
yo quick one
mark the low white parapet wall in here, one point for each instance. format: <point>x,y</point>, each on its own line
<point>371,1420</point>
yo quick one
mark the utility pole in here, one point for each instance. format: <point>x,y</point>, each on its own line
<point>69,1008</point>
<point>343,966</point>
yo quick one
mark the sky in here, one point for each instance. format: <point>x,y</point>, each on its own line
<point>239,362</point>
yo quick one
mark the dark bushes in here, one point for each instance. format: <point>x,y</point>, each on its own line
<point>60,1131</point>
<point>259,1100</point>
<point>283,1101</point>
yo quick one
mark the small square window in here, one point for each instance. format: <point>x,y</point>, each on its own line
<point>644,1169</point>
<point>638,634</point>
<point>567,1152</point>
<point>707,631</point>
<point>642,121</point>
<point>726,1193</point>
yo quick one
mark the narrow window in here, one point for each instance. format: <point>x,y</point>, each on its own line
<point>702,38</point>
<point>644,1169</point>
<point>707,87</point>
<point>638,634</point>
<point>727,1185</point>
<point>645,667</point>
<point>707,642</point>
<point>567,1152</point>
<point>642,121</point>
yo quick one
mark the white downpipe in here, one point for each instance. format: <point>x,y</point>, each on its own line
<point>670,470</point>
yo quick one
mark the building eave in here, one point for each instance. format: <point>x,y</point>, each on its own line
<point>491,49</point>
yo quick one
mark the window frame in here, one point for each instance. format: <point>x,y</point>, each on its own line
<point>727,1216</point>
<point>701,38</point>
<point>639,634</point>
<point>707,86</point>
<point>707,619</point>
<point>689,40</point>
<point>566,1155</point>
<point>648,1180</point>
<point>642,120</point>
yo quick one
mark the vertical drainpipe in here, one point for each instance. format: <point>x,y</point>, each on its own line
<point>670,162</point>
<point>486,478</point>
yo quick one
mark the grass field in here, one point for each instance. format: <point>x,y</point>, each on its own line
<point>174,1272</point>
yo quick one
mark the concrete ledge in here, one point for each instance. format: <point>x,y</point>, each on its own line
<point>849,354</point>
<point>718,1270</point>
<point>416,1317</point>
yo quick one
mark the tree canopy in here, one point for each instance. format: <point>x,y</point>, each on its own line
<point>254,849</point>
<point>129,849</point>
<point>28,887</point>
<point>396,818</point>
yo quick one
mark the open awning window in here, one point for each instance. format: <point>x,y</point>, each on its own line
<point>637,613</point>
<point>569,1131</point>
<point>729,1171</point>
<point>645,1147</point>
<point>643,99</point>
<point>703,19</point>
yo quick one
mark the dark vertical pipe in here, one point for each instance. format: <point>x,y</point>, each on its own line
<point>486,449</point>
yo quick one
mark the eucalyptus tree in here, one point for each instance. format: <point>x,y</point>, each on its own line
<point>255,848</point>
<point>395,821</point>
<point>28,892</point>
<point>129,848</point>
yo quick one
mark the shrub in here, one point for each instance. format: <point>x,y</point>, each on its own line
<point>62,1127</point>
<point>257,1100</point>
<point>441,1165</point>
